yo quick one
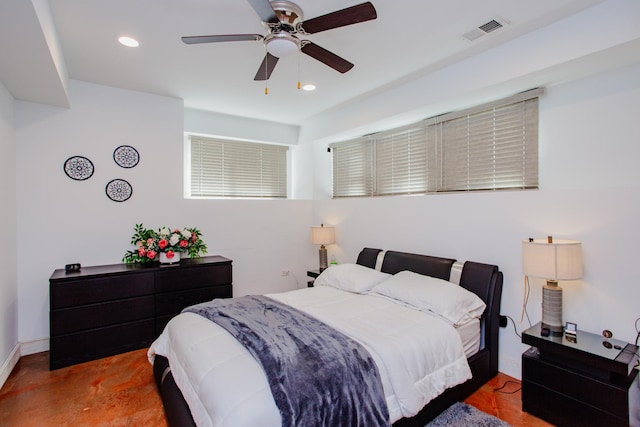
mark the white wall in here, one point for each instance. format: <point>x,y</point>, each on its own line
<point>216,124</point>
<point>589,191</point>
<point>62,221</point>
<point>8,270</point>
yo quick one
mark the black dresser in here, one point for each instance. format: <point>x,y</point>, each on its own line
<point>105,310</point>
<point>580,381</point>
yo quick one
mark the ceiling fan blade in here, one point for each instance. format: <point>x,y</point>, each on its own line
<point>340,18</point>
<point>326,57</point>
<point>221,38</point>
<point>264,10</point>
<point>266,68</point>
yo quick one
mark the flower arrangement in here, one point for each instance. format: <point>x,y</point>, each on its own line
<point>150,243</point>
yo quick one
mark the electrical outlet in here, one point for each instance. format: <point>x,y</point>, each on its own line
<point>503,321</point>
<point>285,273</point>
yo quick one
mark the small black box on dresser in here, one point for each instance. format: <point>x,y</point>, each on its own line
<point>105,310</point>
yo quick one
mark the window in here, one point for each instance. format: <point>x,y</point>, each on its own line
<point>490,147</point>
<point>225,168</point>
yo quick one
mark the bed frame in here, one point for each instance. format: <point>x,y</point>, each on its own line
<point>484,280</point>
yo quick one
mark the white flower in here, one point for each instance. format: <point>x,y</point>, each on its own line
<point>186,233</point>
<point>174,239</point>
<point>165,231</point>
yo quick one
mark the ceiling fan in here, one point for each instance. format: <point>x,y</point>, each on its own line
<point>285,23</point>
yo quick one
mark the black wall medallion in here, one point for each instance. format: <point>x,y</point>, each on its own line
<point>78,168</point>
<point>126,156</point>
<point>118,190</point>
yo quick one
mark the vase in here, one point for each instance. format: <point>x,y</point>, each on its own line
<point>166,259</point>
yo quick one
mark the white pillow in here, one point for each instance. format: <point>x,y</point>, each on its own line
<point>452,302</point>
<point>350,277</point>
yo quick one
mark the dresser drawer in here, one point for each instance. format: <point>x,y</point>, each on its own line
<point>176,279</point>
<point>71,293</point>
<point>174,302</point>
<point>564,411</point>
<point>73,319</point>
<point>101,342</point>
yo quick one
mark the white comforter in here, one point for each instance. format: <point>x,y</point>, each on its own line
<point>418,356</point>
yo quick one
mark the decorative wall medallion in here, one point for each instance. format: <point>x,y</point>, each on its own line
<point>78,168</point>
<point>119,190</point>
<point>126,156</point>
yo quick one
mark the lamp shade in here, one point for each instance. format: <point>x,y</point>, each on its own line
<point>323,235</point>
<point>558,260</point>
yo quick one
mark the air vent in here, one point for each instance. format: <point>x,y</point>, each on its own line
<point>483,29</point>
<point>490,26</point>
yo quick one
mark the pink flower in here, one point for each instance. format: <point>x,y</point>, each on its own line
<point>170,254</point>
<point>141,251</point>
<point>151,254</point>
<point>183,243</point>
<point>193,237</point>
<point>163,243</point>
<point>149,240</point>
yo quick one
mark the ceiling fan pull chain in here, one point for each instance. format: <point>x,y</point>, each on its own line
<point>299,69</point>
<point>266,72</point>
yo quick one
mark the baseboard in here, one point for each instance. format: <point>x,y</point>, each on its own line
<point>9,364</point>
<point>33,347</point>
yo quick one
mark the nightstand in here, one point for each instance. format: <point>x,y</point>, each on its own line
<point>313,274</point>
<point>589,382</point>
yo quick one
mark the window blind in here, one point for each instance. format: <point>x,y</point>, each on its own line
<point>353,168</point>
<point>488,147</point>
<point>402,161</point>
<point>225,168</point>
<point>492,149</point>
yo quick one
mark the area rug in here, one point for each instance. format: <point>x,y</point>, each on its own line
<point>463,415</point>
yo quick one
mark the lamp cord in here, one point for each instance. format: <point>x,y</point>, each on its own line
<point>514,327</point>
<point>499,389</point>
<point>525,300</point>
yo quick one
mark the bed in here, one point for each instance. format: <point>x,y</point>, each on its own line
<point>480,349</point>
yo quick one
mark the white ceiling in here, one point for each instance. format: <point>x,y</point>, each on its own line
<point>44,42</point>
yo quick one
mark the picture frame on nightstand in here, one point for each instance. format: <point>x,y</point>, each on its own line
<point>571,332</point>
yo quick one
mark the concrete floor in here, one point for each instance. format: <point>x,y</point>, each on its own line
<point>120,391</point>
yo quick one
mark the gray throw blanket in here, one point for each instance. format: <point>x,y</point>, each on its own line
<point>318,376</point>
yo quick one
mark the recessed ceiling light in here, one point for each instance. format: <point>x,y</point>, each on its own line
<point>128,41</point>
<point>309,87</point>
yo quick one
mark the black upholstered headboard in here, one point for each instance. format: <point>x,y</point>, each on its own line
<point>368,257</point>
<point>421,264</point>
<point>399,261</point>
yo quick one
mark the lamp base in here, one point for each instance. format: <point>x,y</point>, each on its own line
<point>552,308</point>
<point>323,258</point>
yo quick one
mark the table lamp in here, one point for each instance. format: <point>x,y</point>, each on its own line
<point>323,236</point>
<point>552,260</point>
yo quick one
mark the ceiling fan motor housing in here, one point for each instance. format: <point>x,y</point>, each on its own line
<point>287,12</point>
<point>280,41</point>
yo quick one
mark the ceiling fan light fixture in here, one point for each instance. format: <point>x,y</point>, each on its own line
<point>281,44</point>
